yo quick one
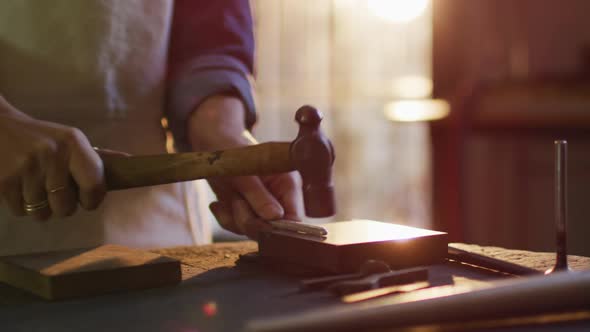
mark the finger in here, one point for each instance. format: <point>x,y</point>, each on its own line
<point>260,199</point>
<point>245,219</point>
<point>61,191</point>
<point>87,170</point>
<point>7,109</point>
<point>222,189</point>
<point>12,196</point>
<point>223,213</point>
<point>286,188</point>
<point>33,189</point>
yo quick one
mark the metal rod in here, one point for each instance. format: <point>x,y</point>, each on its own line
<point>560,205</point>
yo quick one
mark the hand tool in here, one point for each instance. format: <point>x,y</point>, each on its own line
<point>311,153</point>
<point>560,207</point>
<point>383,291</point>
<point>299,227</point>
<point>378,280</point>
<point>462,256</point>
<point>369,267</point>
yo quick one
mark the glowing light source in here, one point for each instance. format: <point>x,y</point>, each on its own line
<point>399,11</point>
<point>164,122</point>
<point>412,87</point>
<point>417,110</point>
<point>210,308</point>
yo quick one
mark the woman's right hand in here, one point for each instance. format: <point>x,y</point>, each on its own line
<point>46,168</point>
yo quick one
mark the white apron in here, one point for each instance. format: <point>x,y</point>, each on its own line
<point>98,65</point>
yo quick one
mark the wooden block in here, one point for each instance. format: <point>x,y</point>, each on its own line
<point>350,243</point>
<point>84,272</point>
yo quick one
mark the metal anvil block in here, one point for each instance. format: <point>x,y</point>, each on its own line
<point>350,243</point>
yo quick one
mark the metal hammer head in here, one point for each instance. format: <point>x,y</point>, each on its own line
<point>312,155</point>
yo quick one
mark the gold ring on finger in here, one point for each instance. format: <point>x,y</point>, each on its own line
<point>30,208</point>
<point>54,190</point>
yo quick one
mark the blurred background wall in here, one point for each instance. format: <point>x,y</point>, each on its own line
<point>517,74</point>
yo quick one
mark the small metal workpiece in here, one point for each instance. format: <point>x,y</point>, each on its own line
<point>560,206</point>
<point>298,227</point>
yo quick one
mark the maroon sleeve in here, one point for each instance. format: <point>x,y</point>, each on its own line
<point>211,51</point>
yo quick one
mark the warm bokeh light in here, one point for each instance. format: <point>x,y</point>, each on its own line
<point>411,87</point>
<point>417,110</point>
<point>210,309</point>
<point>399,11</point>
<point>164,122</point>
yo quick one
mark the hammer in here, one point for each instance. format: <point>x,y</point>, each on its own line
<point>311,153</point>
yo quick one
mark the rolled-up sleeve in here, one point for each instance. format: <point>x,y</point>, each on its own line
<point>211,52</point>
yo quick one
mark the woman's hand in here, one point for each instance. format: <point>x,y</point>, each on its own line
<point>46,168</point>
<point>244,203</point>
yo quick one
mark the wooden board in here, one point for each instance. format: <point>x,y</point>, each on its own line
<point>84,272</point>
<point>350,243</point>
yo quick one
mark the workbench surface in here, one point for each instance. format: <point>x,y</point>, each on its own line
<point>217,295</point>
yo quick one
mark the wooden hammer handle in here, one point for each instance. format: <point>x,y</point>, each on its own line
<point>140,171</point>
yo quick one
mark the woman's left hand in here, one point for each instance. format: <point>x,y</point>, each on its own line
<point>244,203</point>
